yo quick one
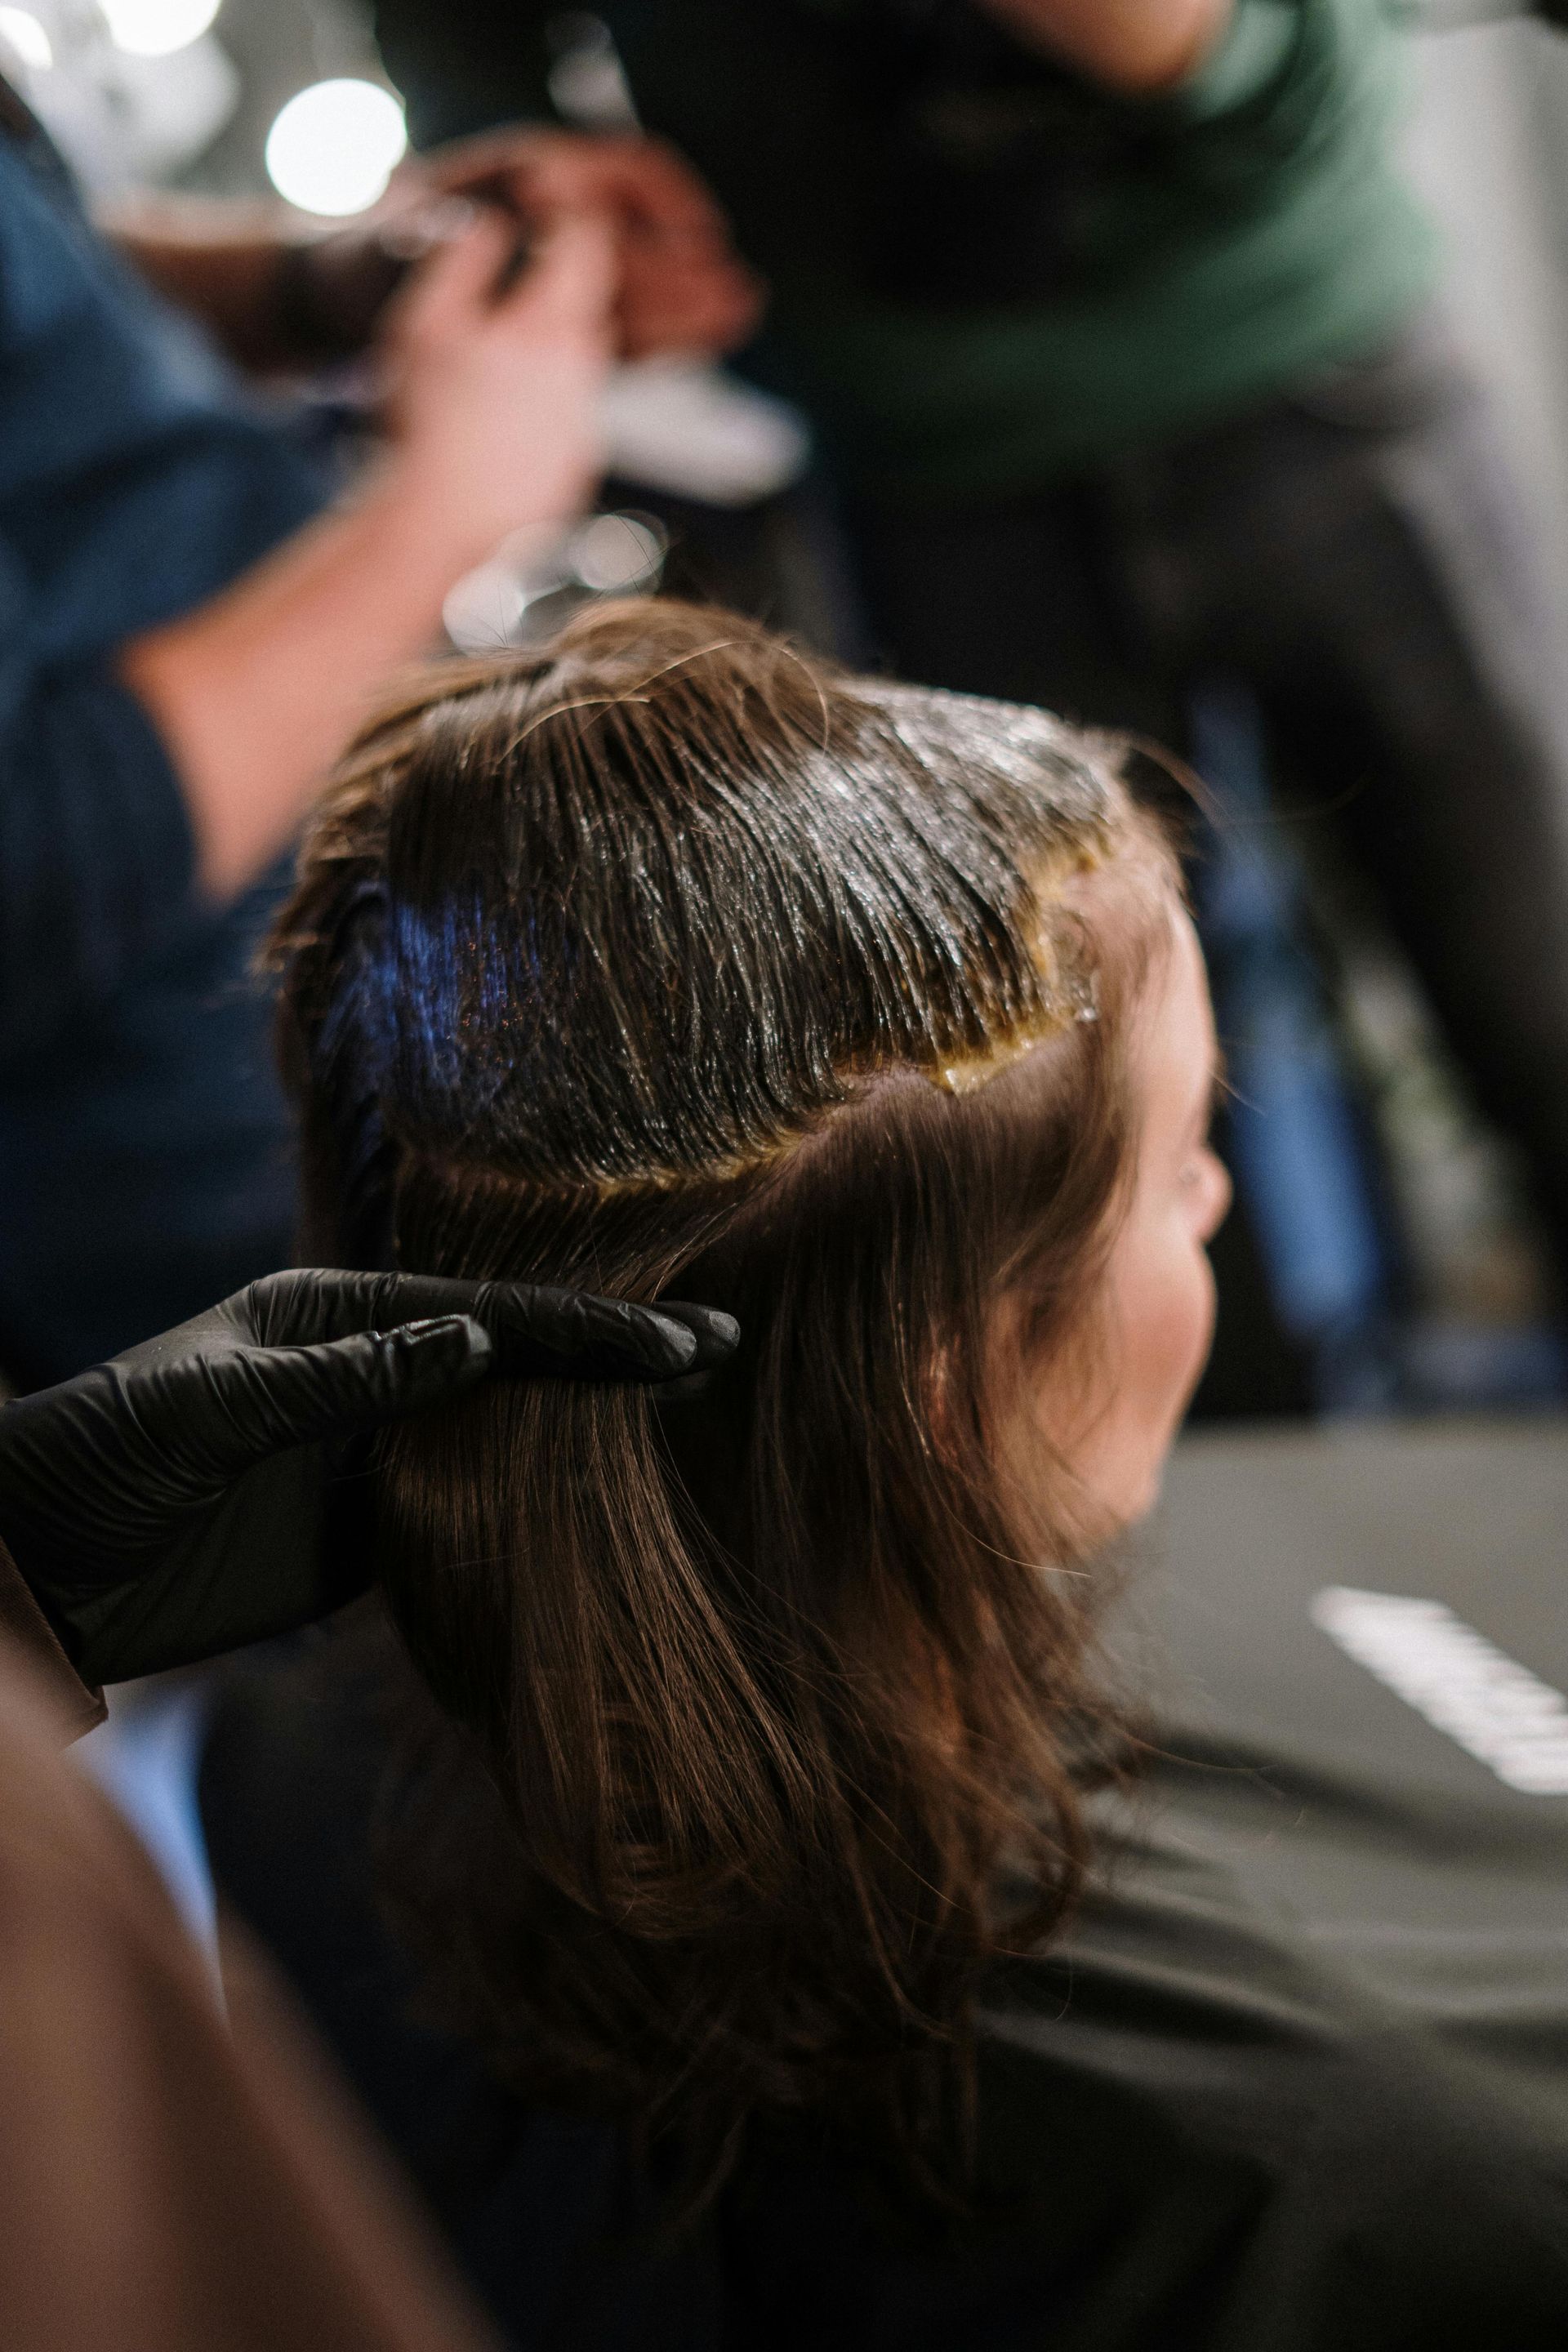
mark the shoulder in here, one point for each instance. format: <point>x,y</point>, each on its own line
<point>1192,2092</point>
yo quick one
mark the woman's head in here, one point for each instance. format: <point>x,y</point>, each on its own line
<point>669,962</point>
<point>1108,1398</point>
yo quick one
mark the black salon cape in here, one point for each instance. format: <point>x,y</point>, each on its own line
<point>1297,2082</point>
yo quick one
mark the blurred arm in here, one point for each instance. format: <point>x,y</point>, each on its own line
<point>255,692</point>
<point>1131,45</point>
<point>138,761</point>
<point>493,427</point>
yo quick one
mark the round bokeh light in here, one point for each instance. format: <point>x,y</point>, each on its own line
<point>156,28</point>
<point>334,147</point>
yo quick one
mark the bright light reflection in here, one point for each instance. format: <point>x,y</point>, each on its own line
<point>27,37</point>
<point>156,28</point>
<point>334,148</point>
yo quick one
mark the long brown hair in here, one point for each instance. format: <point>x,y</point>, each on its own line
<point>666,961</point>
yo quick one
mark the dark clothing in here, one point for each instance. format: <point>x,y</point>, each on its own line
<point>1297,2081</point>
<point>1355,552</point>
<point>143,1158</point>
<point>986,269</point>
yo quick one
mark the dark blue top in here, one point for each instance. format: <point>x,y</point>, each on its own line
<point>144,1166</point>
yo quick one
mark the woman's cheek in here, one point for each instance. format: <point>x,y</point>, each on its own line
<point>1164,1322</point>
<point>1188,1319</point>
<point>1203,1308</point>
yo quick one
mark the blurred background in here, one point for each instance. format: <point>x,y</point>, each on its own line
<point>1399,1266</point>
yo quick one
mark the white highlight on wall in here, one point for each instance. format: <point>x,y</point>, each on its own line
<point>156,28</point>
<point>335,146</point>
<point>1493,1707</point>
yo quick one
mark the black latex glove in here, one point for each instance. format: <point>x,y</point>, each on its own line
<point>202,1491</point>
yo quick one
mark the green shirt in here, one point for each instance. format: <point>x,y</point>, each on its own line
<point>1173,259</point>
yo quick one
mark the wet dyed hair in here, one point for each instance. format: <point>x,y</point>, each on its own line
<point>668,962</point>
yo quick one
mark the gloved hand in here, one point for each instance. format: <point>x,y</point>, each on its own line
<point>203,1490</point>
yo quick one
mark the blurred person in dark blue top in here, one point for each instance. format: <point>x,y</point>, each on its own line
<point>188,629</point>
<point>142,1142</point>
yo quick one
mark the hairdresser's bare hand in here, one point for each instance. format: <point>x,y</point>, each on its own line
<point>679,284</point>
<point>1136,46</point>
<point>196,1494</point>
<point>494,376</point>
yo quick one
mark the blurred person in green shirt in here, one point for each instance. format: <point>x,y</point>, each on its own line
<point>991,262</point>
<point>1116,322</point>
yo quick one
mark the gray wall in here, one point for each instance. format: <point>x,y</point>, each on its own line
<point>1488,144</point>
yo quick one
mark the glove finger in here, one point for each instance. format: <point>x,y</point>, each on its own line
<point>274,1398</point>
<point>311,1303</point>
<point>540,1331</point>
<point>552,1334</point>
